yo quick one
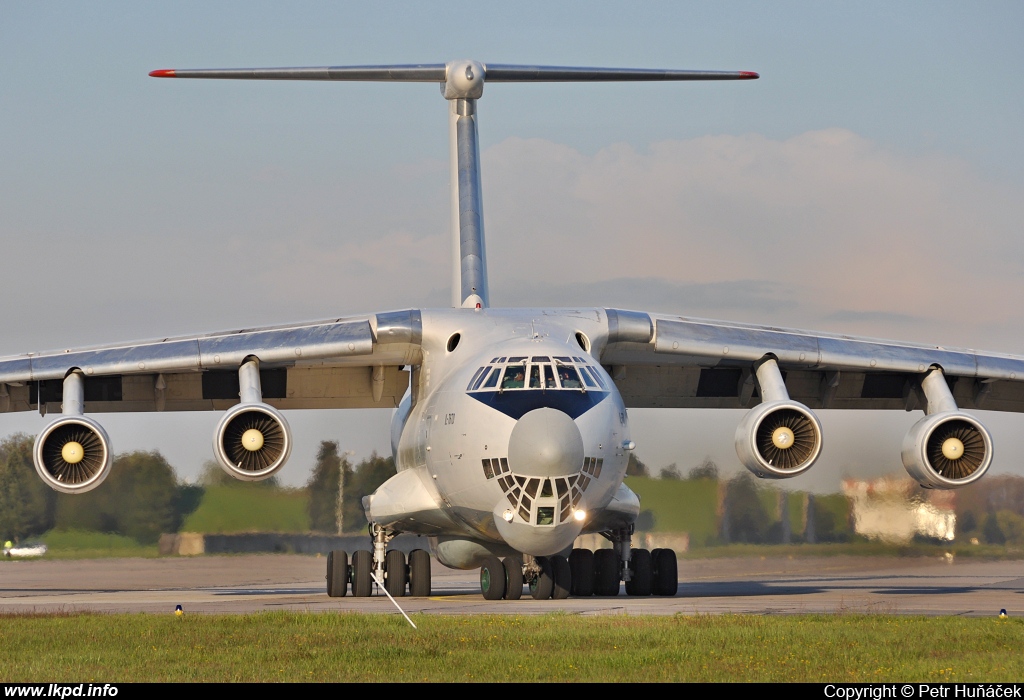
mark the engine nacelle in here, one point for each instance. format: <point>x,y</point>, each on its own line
<point>252,441</point>
<point>778,439</point>
<point>72,455</point>
<point>947,450</point>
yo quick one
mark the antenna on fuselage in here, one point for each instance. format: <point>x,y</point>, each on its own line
<point>462,84</point>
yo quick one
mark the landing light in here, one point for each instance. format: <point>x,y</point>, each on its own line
<point>508,515</point>
<point>580,515</point>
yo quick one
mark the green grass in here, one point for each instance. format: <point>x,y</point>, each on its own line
<point>249,508</point>
<point>487,648</point>
<point>680,505</point>
<point>80,544</point>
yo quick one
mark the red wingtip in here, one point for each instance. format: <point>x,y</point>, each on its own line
<point>164,73</point>
<point>744,75</point>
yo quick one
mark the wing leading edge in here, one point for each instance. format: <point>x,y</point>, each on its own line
<point>697,363</point>
<point>354,362</point>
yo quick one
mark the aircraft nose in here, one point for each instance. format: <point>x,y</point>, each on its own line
<point>545,442</point>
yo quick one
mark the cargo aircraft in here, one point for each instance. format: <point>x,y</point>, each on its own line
<point>511,429</point>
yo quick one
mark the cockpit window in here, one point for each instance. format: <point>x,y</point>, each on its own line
<point>596,375</point>
<point>475,381</point>
<point>515,377</point>
<point>569,377</point>
<point>587,378</point>
<point>561,374</point>
<point>493,379</point>
<point>549,377</point>
<point>535,377</point>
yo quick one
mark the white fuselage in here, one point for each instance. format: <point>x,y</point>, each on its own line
<point>517,429</point>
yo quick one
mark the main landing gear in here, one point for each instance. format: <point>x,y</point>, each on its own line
<point>583,573</point>
<point>382,565</point>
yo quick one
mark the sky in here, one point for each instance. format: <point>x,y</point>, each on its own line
<point>871,182</point>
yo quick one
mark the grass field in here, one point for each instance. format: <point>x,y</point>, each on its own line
<point>352,647</point>
<point>78,544</point>
<point>249,508</point>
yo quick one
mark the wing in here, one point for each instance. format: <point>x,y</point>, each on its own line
<point>355,362</point>
<point>678,362</point>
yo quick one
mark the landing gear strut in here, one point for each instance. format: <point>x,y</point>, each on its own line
<point>382,566</point>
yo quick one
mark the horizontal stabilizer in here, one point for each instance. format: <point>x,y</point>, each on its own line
<point>438,72</point>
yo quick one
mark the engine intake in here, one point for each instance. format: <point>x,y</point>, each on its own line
<point>72,455</point>
<point>252,441</point>
<point>778,440</point>
<point>947,450</point>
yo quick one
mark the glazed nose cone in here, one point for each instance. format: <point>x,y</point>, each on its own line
<point>545,442</point>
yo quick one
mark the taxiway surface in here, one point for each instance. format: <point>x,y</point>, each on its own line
<point>251,583</point>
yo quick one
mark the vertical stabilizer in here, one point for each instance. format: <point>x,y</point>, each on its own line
<point>462,86</point>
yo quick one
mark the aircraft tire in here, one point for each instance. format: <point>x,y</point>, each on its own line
<point>513,578</point>
<point>419,573</point>
<point>395,574</point>
<point>337,573</point>
<point>642,573</point>
<point>606,572</point>
<point>362,573</point>
<point>542,586</point>
<point>666,572</point>
<point>492,578</point>
<point>581,565</point>
<point>562,577</point>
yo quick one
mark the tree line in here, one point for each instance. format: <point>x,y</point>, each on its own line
<point>142,498</point>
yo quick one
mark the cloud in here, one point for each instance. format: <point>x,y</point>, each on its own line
<point>853,232</point>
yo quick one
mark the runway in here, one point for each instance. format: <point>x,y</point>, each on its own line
<point>253,583</point>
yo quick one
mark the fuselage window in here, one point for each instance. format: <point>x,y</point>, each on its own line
<point>515,376</point>
<point>493,379</point>
<point>535,377</point>
<point>488,472</point>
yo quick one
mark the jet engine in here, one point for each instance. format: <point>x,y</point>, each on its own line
<point>252,441</point>
<point>947,450</point>
<point>72,455</point>
<point>779,438</point>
